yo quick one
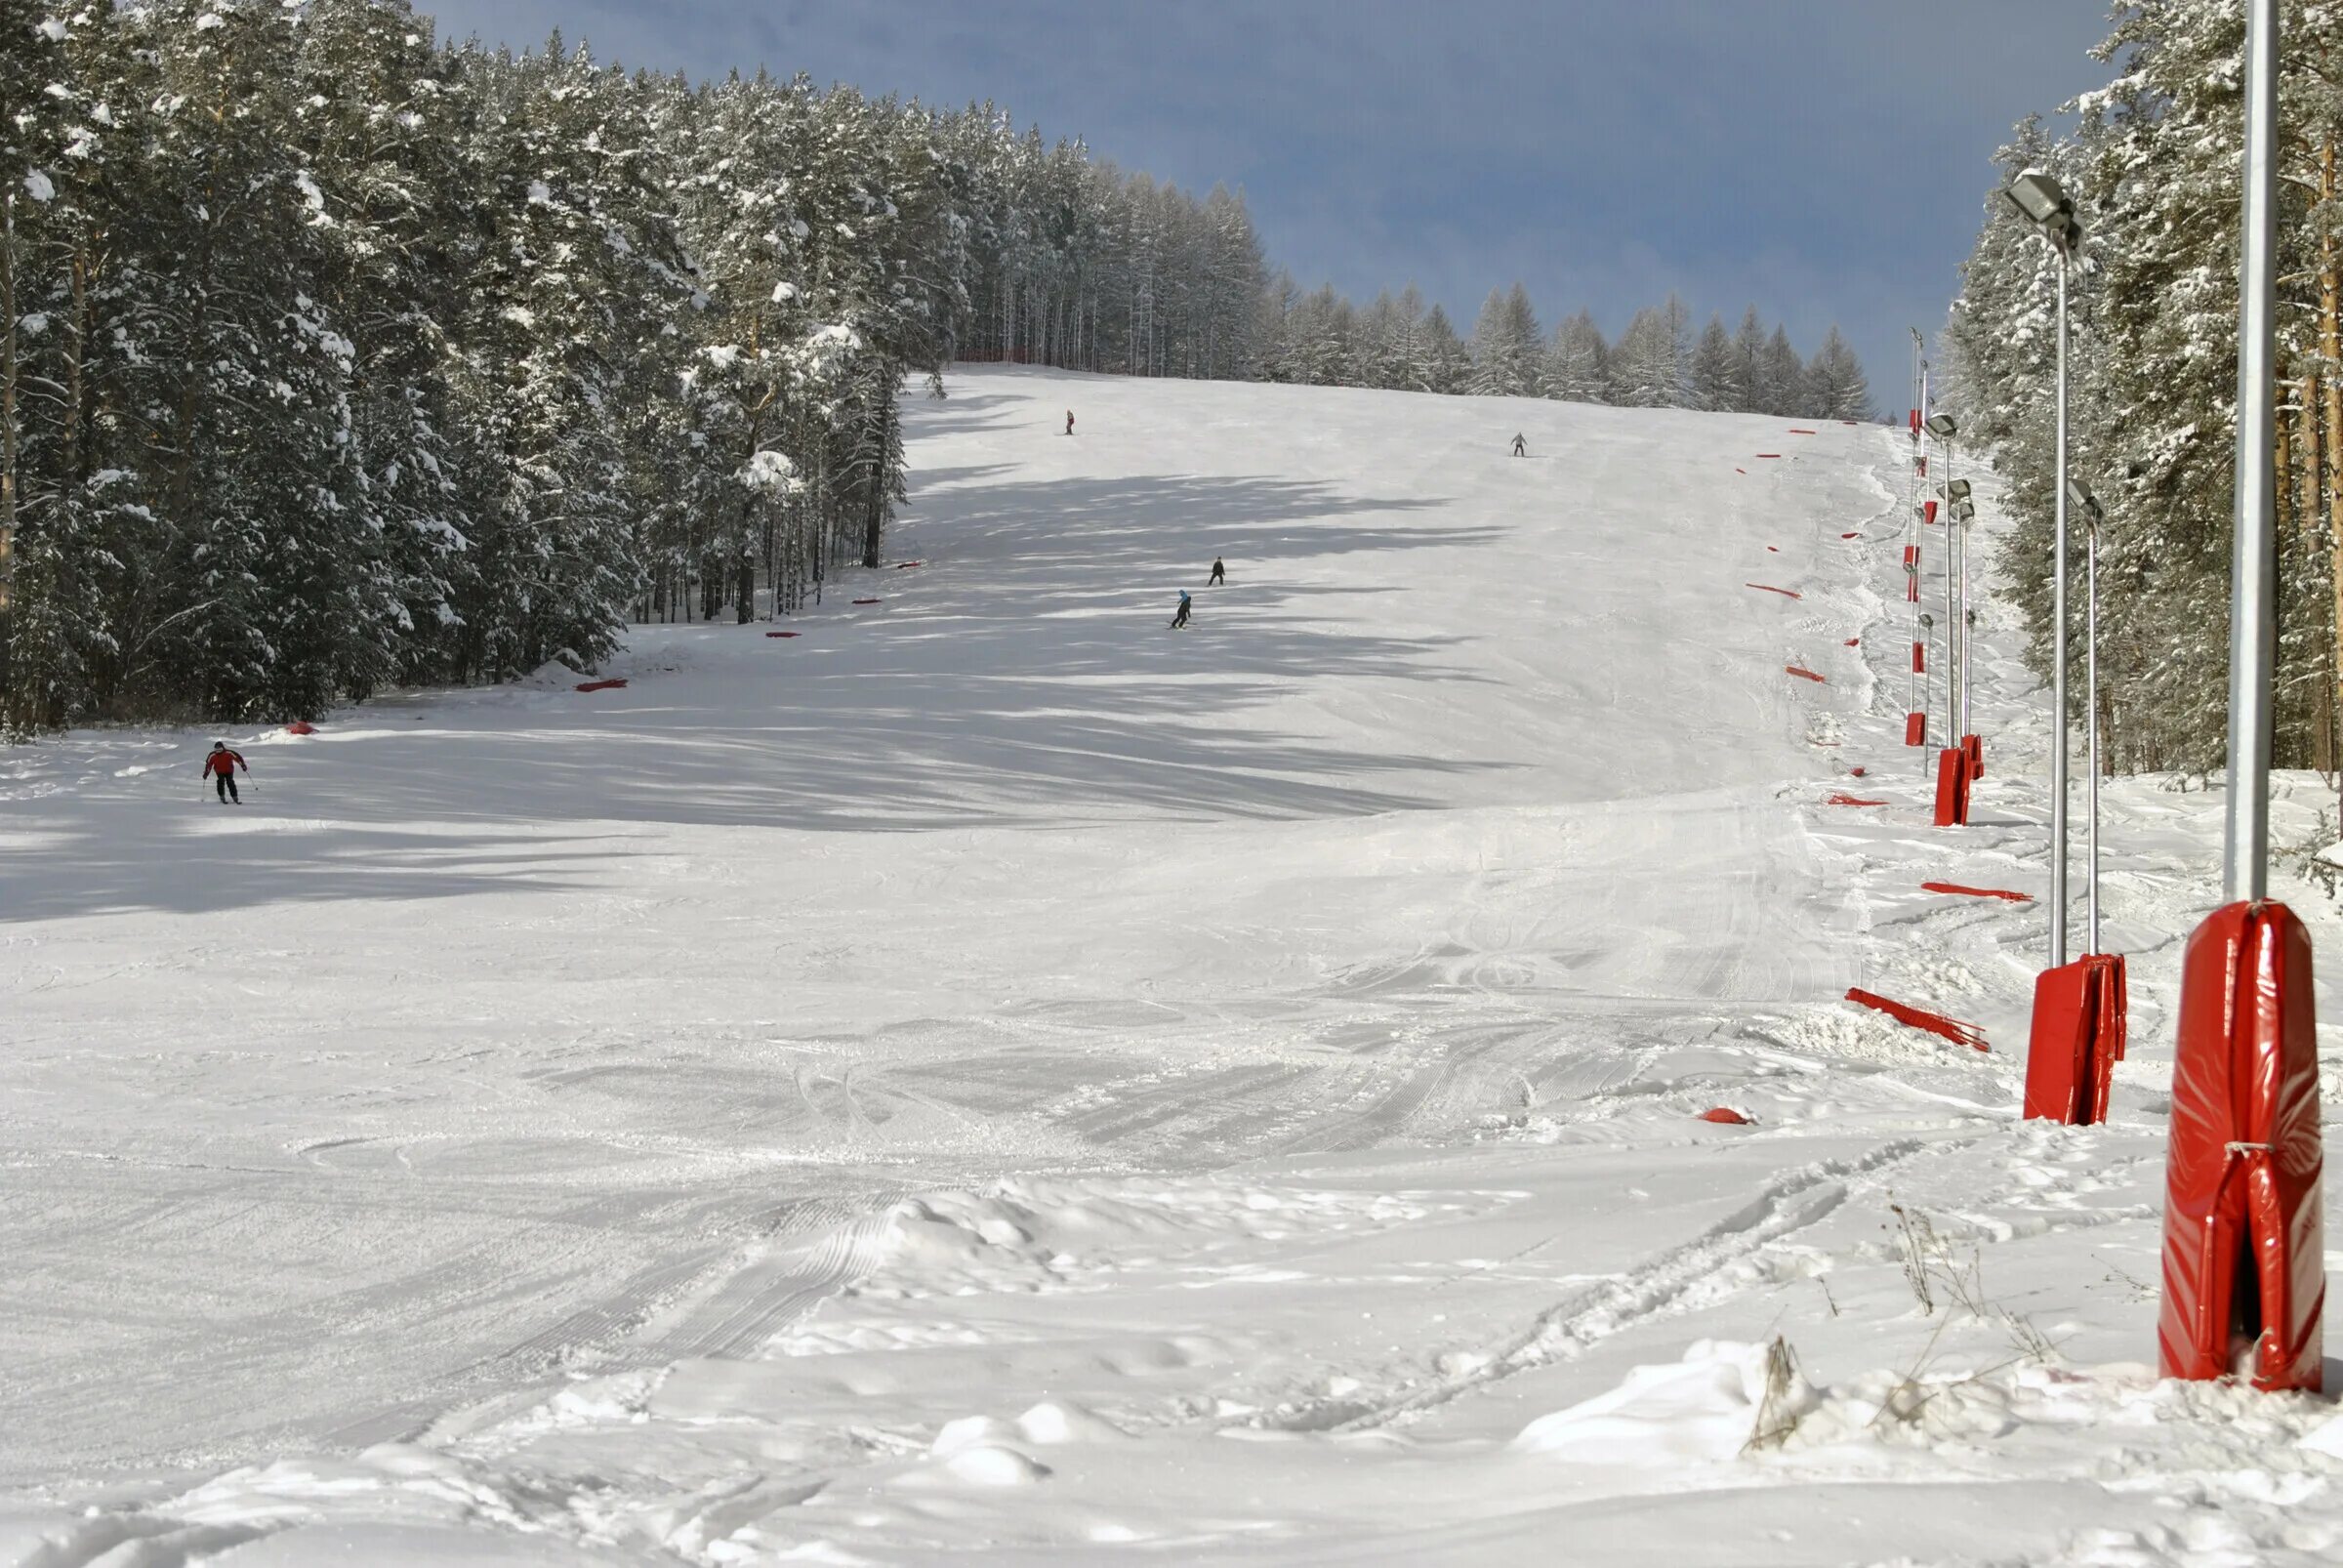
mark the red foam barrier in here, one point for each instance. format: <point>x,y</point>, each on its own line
<point>906,565</point>
<point>1974,748</point>
<point>1850,536</point>
<point>1920,658</point>
<point>2076,1038</point>
<point>2244,1233</point>
<point>1794,430</point>
<point>1769,454</point>
<point>867,601</point>
<point>1841,798</point>
<point>1804,674</point>
<point>1951,788</point>
<point>301,727</point>
<point>1768,588</point>
<point>784,633</point>
<point>1724,1117</point>
<point>1976,892</point>
<point>1936,1023</point>
<point>1928,512</point>
<point>1854,643</point>
<point>600,685</point>
<point>1916,422</point>
<point>1915,729</point>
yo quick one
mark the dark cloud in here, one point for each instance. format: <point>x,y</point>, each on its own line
<point>1822,159</point>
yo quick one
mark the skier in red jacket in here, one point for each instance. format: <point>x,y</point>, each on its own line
<point>221,768</point>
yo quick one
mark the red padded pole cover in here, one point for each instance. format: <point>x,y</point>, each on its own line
<point>1915,729</point>
<point>2080,1016</point>
<point>1919,660</point>
<point>1975,750</point>
<point>1951,788</point>
<point>1928,512</point>
<point>2242,1170</point>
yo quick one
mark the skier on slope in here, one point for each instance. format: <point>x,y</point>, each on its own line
<point>221,768</point>
<point>1521,448</point>
<point>1069,422</point>
<point>1180,617</point>
<point>1219,574</point>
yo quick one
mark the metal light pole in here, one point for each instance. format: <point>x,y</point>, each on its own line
<point>2253,566</point>
<point>2048,206</point>
<point>2093,513</point>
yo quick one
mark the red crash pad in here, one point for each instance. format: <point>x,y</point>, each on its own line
<point>2079,1023</point>
<point>2244,1237</point>
<point>1928,512</point>
<point>1953,788</point>
<point>1915,729</point>
<point>301,727</point>
<point>1936,1023</point>
<point>1724,1117</point>
<point>600,685</point>
<point>1976,892</point>
<point>1805,674</point>
<point>1768,588</point>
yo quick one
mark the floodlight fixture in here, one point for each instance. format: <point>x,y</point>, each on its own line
<point>1965,511</point>
<point>1956,491</point>
<point>2048,206</point>
<point>2079,494</point>
<point>1941,427</point>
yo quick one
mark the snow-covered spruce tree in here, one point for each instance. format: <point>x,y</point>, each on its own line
<point>1835,386</point>
<point>1715,377</point>
<point>1576,361</point>
<point>1647,364</point>
<point>2154,167</point>
<point>1508,347</point>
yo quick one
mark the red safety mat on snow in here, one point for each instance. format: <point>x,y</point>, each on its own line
<point>1854,643</point>
<point>1805,674</point>
<point>784,633</point>
<point>600,685</point>
<point>1850,536</point>
<point>1768,588</point>
<point>1724,1117</point>
<point>865,601</point>
<point>1855,771</point>
<point>906,565</point>
<point>2241,1188</point>
<point>1976,892</point>
<point>1769,454</point>
<point>1841,798</point>
<point>301,727</point>
<point>1936,1023</point>
<point>1794,430</point>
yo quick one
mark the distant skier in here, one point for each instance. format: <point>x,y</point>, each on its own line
<point>1069,422</point>
<point>1180,617</point>
<point>1521,448</point>
<point>1219,574</point>
<point>221,768</point>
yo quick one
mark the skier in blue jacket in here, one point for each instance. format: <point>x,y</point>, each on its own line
<point>1180,618</point>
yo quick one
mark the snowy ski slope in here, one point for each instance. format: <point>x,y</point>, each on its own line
<point>991,1076</point>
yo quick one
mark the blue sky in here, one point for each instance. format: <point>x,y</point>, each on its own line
<point>1823,159</point>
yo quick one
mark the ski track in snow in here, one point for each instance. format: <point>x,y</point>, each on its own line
<point>996,1077</point>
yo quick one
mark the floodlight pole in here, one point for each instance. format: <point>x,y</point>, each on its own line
<point>2253,566</point>
<point>2090,699</point>
<point>2058,649</point>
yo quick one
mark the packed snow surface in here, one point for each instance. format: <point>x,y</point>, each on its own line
<point>992,1076</point>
